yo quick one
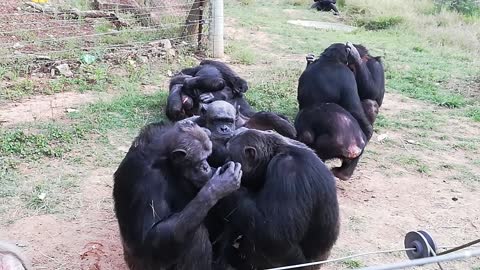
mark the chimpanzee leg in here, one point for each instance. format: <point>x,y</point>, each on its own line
<point>346,170</point>
<point>327,147</point>
<point>198,255</point>
<point>333,7</point>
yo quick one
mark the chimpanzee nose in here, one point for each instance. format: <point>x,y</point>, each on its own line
<point>224,129</point>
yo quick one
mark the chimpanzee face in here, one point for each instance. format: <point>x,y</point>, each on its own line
<point>189,157</point>
<point>220,119</point>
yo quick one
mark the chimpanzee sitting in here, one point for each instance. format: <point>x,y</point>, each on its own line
<point>163,190</point>
<point>286,211</point>
<point>207,82</point>
<point>369,73</point>
<point>221,118</point>
<point>333,133</point>
<point>329,80</point>
<point>325,5</point>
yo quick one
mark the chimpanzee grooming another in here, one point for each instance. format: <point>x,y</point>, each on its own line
<point>329,80</point>
<point>163,190</point>
<point>325,5</point>
<point>286,211</point>
<point>369,73</point>
<point>207,82</point>
<point>221,118</point>
<point>333,133</point>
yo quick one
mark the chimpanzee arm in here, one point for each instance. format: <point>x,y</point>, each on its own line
<point>190,71</point>
<point>163,230</point>
<point>238,84</point>
<point>225,94</point>
<point>203,84</point>
<point>370,79</point>
<point>174,110</point>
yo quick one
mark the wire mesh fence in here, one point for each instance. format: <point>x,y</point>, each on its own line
<point>46,30</point>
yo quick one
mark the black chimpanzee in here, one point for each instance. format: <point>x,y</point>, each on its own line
<point>286,211</point>
<point>325,5</point>
<point>369,73</point>
<point>329,80</point>
<point>207,82</point>
<point>333,133</point>
<point>163,190</point>
<point>221,118</point>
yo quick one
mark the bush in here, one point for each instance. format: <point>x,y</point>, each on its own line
<point>379,23</point>
<point>466,7</point>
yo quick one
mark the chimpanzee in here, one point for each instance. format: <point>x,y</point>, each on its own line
<point>325,5</point>
<point>329,80</point>
<point>333,133</point>
<point>221,119</point>
<point>286,211</point>
<point>369,73</point>
<point>163,190</point>
<point>207,82</point>
<point>370,107</point>
<point>368,70</point>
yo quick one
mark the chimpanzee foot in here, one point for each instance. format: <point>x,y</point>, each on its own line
<point>341,174</point>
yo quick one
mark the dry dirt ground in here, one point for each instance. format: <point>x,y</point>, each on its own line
<point>407,181</point>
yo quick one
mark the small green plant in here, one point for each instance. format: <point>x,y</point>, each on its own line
<point>380,23</point>
<point>474,113</point>
<point>352,264</point>
<point>466,7</point>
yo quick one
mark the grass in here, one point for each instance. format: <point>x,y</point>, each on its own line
<point>416,64</point>
<point>240,53</point>
<point>352,264</point>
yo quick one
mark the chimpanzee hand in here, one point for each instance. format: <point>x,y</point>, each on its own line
<point>225,180</point>
<point>310,58</point>
<point>207,97</point>
<point>352,53</point>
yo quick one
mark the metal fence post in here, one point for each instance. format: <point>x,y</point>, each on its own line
<point>217,33</point>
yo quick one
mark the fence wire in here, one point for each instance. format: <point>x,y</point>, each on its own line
<point>66,29</point>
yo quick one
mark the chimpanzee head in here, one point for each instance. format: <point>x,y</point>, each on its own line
<point>336,52</point>
<point>370,107</point>
<point>254,149</point>
<point>189,148</point>
<point>220,119</point>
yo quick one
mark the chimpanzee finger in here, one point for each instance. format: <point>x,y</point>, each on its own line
<point>238,168</point>
<point>227,166</point>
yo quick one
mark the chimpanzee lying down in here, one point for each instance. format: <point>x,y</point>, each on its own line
<point>207,82</point>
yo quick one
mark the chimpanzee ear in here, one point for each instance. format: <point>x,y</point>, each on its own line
<point>178,155</point>
<point>250,152</point>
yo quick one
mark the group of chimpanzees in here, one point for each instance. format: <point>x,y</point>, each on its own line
<point>217,189</point>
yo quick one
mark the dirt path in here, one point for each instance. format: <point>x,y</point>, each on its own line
<point>43,107</point>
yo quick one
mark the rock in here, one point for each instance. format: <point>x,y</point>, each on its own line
<point>171,52</point>
<point>64,70</point>
<point>163,43</point>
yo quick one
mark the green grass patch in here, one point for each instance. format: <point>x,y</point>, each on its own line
<point>240,53</point>
<point>352,264</point>
<point>379,23</point>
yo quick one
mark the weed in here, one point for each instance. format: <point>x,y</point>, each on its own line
<point>352,264</point>
<point>474,113</point>
<point>379,23</point>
